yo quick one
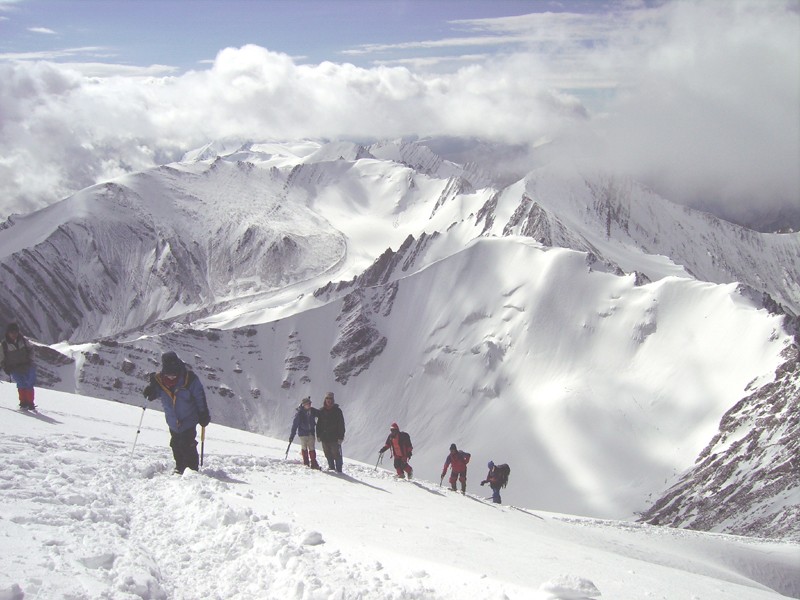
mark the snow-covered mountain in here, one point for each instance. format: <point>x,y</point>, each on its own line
<point>745,480</point>
<point>570,323</point>
<point>91,510</point>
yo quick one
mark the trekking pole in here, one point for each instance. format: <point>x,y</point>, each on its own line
<point>287,450</point>
<point>380,460</point>
<point>202,443</point>
<point>138,429</point>
<point>441,480</point>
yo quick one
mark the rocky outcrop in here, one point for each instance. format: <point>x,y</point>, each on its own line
<point>747,480</point>
<point>296,363</point>
<point>360,340</point>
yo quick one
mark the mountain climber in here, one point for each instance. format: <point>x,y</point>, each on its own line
<point>305,424</point>
<point>457,460</point>
<point>16,356</point>
<point>400,444</point>
<point>496,478</point>
<point>330,431</point>
<point>185,407</point>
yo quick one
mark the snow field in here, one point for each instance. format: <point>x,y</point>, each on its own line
<point>84,517</point>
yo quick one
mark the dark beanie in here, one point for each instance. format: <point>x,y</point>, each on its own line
<point>171,364</point>
<point>453,447</point>
<point>12,328</point>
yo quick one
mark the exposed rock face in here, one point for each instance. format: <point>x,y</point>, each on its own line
<point>747,480</point>
<point>360,341</point>
<point>295,364</point>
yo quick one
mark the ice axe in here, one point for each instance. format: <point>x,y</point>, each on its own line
<point>287,449</point>
<point>138,429</point>
<point>202,443</point>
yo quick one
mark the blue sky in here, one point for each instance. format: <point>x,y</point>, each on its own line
<point>186,34</point>
<point>696,98</point>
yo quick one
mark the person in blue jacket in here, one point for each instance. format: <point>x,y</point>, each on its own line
<point>305,424</point>
<point>185,407</point>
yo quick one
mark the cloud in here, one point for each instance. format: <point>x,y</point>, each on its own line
<point>699,100</point>
<point>56,54</point>
<point>709,107</point>
<point>43,30</point>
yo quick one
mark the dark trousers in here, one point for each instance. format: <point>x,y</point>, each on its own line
<point>402,467</point>
<point>333,454</point>
<point>462,477</point>
<point>184,449</point>
<point>496,494</point>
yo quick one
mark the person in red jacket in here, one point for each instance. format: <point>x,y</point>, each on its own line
<point>457,460</point>
<point>400,444</point>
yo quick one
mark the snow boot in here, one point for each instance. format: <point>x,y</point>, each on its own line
<point>312,454</point>
<point>29,398</point>
<point>305,457</point>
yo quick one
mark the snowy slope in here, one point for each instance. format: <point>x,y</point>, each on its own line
<point>746,479</point>
<point>88,516</point>
<point>583,379</point>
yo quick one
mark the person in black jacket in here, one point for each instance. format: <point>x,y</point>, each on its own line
<point>16,356</point>
<point>330,431</point>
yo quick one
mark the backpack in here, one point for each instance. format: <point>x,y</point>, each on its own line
<point>502,472</point>
<point>405,443</point>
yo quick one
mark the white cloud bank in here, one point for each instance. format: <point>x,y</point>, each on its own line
<point>704,104</point>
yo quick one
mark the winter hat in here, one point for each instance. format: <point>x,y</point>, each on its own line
<point>395,426</point>
<point>12,328</point>
<point>491,465</point>
<point>306,400</point>
<point>329,395</point>
<point>453,447</point>
<point>171,364</point>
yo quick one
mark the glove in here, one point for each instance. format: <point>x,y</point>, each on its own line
<point>382,450</point>
<point>409,454</point>
<point>204,418</point>
<point>151,391</point>
<point>443,474</point>
<point>483,482</point>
